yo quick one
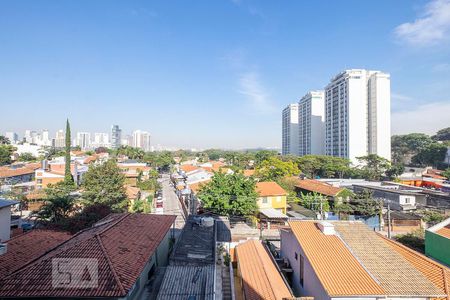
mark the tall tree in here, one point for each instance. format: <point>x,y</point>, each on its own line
<point>4,140</point>
<point>67,172</point>
<point>442,135</point>
<point>229,194</point>
<point>104,184</point>
<point>433,154</point>
<point>373,166</point>
<point>5,154</point>
<point>273,169</point>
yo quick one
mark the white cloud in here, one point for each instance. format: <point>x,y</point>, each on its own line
<point>431,27</point>
<point>251,87</point>
<point>427,118</point>
<point>400,97</point>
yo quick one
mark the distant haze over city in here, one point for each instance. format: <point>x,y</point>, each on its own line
<point>213,82</point>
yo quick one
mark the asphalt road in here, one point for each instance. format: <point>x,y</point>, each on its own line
<point>171,204</point>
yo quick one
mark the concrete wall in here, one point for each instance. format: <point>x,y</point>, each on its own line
<point>312,286</point>
<point>5,223</point>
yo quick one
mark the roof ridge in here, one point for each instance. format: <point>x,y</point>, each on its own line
<point>446,287</point>
<point>110,265</point>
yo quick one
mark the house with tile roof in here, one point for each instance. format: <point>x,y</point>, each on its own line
<point>346,259</point>
<point>17,173</point>
<point>316,186</point>
<point>437,242</point>
<point>260,279</point>
<point>271,196</point>
<point>113,259</point>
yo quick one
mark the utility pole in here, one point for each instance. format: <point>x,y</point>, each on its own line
<point>389,219</point>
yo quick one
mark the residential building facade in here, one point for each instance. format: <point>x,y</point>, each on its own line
<point>84,140</point>
<point>357,114</point>
<point>141,139</point>
<point>290,130</point>
<point>311,126</point>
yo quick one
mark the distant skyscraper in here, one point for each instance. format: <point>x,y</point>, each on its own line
<point>141,139</point>
<point>357,115</point>
<point>84,140</point>
<point>290,137</point>
<point>116,136</point>
<point>12,137</point>
<point>311,126</point>
<point>100,140</point>
<point>60,139</point>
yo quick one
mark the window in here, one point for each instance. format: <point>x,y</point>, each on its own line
<point>302,269</point>
<point>39,181</point>
<point>264,200</point>
<point>296,256</point>
<point>407,201</point>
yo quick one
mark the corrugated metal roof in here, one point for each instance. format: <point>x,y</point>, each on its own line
<point>182,282</point>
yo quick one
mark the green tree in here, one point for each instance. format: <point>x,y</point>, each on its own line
<point>373,166</point>
<point>58,204</point>
<point>432,154</point>
<point>262,155</point>
<point>104,184</point>
<point>68,179</point>
<point>447,173</point>
<point>406,146</point>
<point>442,135</point>
<point>232,195</point>
<point>6,151</point>
<point>315,201</point>
<point>26,157</point>
<point>4,140</point>
<point>273,169</point>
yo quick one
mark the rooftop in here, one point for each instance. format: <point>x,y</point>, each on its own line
<point>261,279</point>
<point>188,282</point>
<point>269,188</point>
<point>5,202</point>
<point>195,246</point>
<point>357,261</point>
<point>24,248</point>
<point>121,243</point>
<point>313,185</point>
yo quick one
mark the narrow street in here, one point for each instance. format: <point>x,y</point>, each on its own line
<point>171,204</point>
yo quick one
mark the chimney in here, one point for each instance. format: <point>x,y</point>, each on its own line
<point>326,227</point>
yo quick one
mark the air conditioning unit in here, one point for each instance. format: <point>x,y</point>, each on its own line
<point>3,248</point>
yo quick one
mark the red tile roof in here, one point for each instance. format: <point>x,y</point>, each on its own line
<point>318,187</point>
<point>195,187</point>
<point>261,279</point>
<point>7,171</point>
<point>444,231</point>
<point>269,188</point>
<point>188,168</point>
<point>121,243</point>
<point>26,247</point>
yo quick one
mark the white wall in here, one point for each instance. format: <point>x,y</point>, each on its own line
<point>311,284</point>
<point>5,223</point>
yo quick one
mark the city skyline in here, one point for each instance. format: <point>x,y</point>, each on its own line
<point>147,66</point>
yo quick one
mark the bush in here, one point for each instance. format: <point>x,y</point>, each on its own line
<point>414,240</point>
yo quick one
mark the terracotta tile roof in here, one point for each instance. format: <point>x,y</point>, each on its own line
<point>7,171</point>
<point>249,173</point>
<point>317,186</point>
<point>90,159</point>
<point>188,168</point>
<point>337,269</point>
<point>26,247</point>
<point>445,231</point>
<point>261,279</point>
<point>132,192</point>
<point>438,274</point>
<point>393,273</point>
<point>269,188</point>
<point>195,187</point>
<point>122,245</point>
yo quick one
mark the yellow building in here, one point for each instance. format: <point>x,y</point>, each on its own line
<point>271,195</point>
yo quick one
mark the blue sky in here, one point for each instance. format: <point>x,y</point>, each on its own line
<point>213,73</point>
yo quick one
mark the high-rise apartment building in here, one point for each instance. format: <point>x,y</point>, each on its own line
<point>116,136</point>
<point>141,139</point>
<point>84,140</point>
<point>311,126</point>
<point>357,114</point>
<point>100,140</point>
<point>290,137</point>
<point>12,137</point>
<point>60,139</point>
